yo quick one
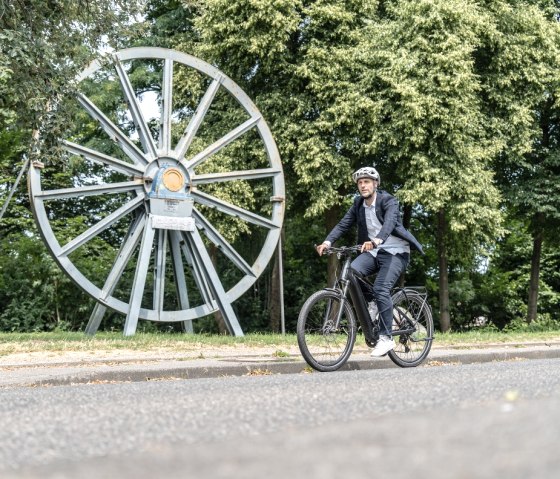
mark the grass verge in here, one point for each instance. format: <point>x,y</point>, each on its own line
<point>11,343</point>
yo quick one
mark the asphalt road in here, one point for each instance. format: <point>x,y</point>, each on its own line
<point>488,420</point>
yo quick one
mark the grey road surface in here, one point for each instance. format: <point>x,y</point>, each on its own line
<point>489,420</point>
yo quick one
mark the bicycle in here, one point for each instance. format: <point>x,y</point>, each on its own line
<point>327,328</point>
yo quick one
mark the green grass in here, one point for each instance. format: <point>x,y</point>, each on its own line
<point>63,341</point>
<point>490,336</point>
<point>11,343</point>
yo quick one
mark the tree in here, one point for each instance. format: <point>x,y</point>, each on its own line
<point>42,46</point>
<point>448,88</point>
<point>270,49</point>
<point>520,66</point>
<point>413,105</point>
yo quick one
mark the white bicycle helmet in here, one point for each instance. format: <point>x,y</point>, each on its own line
<point>366,172</point>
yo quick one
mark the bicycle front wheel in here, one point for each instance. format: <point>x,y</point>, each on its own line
<point>411,313</point>
<point>326,330</point>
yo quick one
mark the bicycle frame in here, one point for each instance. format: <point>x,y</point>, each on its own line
<point>349,284</point>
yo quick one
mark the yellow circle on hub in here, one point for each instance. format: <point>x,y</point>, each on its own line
<point>173,179</point>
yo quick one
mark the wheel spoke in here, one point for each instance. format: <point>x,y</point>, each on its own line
<point>235,175</point>
<point>214,236</point>
<point>159,280</point>
<point>233,210</point>
<point>114,132</point>
<point>105,188</point>
<point>139,281</point>
<point>137,116</point>
<point>221,143</point>
<point>178,269</point>
<point>196,120</point>
<point>199,278</point>
<point>166,107</point>
<point>98,157</point>
<point>101,226</point>
<point>125,253</point>
<point>179,275</point>
<point>200,255</point>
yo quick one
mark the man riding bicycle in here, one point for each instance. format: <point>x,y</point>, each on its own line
<point>386,246</point>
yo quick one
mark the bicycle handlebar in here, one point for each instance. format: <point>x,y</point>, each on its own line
<point>343,250</point>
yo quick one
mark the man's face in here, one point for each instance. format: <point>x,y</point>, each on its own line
<point>366,187</point>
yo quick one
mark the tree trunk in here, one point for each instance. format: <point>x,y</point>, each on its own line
<point>535,270</point>
<point>444,319</point>
<point>407,218</point>
<point>275,292</point>
<point>537,227</point>
<point>332,217</point>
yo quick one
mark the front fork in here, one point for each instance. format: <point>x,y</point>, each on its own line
<point>343,285</point>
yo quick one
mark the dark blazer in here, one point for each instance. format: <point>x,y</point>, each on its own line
<point>388,214</point>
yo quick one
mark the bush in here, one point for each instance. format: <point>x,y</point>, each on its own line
<point>544,322</point>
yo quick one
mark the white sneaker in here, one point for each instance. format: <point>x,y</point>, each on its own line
<point>383,346</point>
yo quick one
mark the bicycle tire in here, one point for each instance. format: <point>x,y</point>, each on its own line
<point>323,347</point>
<point>411,349</point>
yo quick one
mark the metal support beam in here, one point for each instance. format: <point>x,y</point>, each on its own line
<point>139,280</point>
<point>12,191</point>
<point>281,278</point>
<point>180,280</point>
<point>214,283</point>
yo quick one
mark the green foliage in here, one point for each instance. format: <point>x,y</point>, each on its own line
<point>500,297</point>
<point>424,94</point>
<point>543,323</point>
<point>37,35</point>
<point>224,26</point>
<point>34,293</point>
<point>502,287</point>
<point>455,101</point>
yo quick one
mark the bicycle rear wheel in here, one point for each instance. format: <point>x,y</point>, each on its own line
<point>411,311</point>
<point>326,330</point>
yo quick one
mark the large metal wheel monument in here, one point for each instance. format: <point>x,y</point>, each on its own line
<point>163,191</point>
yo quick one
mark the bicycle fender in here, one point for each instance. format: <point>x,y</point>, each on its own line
<point>337,293</point>
<point>332,290</point>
